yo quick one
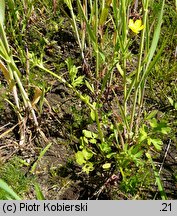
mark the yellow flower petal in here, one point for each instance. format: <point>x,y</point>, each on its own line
<point>138,23</point>
<point>142,27</point>
<point>131,22</point>
<point>136,26</point>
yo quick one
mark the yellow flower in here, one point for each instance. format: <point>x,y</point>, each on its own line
<point>136,26</point>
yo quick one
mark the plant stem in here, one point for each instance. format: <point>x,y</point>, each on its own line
<point>76,30</point>
<point>80,96</point>
<point>99,125</point>
<point>96,36</point>
<point>124,44</point>
<point>139,67</point>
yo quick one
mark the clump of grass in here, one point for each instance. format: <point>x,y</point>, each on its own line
<point>13,174</point>
<point>12,76</point>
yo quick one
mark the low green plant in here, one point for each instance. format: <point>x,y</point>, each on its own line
<point>107,33</point>
<point>109,37</point>
<point>14,184</point>
<point>11,174</point>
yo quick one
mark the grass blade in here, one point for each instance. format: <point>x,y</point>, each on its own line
<point>157,177</point>
<point>151,65</point>
<point>9,190</point>
<point>89,30</point>
<point>39,194</point>
<point>40,156</point>
<point>156,35</point>
<point>2,11</point>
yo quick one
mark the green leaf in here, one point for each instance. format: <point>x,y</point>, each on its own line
<point>149,141</point>
<point>87,133</point>
<point>175,106</point>
<point>88,26</point>
<point>87,154</point>
<point>9,190</point>
<point>88,167</point>
<point>157,143</point>
<point>68,3</point>
<point>135,150</point>
<point>120,69</point>
<point>153,62</point>
<point>104,15</point>
<point>143,135</point>
<point>162,128</point>
<point>158,178</point>
<point>106,165</point>
<point>69,63</point>
<point>42,153</point>
<point>38,192</point>
<point>78,81</point>
<point>165,130</point>
<point>105,147</point>
<point>80,158</point>
<point>156,34</point>
<point>110,155</point>
<point>152,114</point>
<point>153,123</point>
<point>93,141</point>
<point>73,72</point>
<point>90,87</point>
<point>92,114</point>
<point>172,102</point>
<point>2,11</point>
<point>95,135</point>
<point>102,56</point>
<point>148,155</point>
<point>85,140</point>
<point>139,154</point>
<point>85,98</point>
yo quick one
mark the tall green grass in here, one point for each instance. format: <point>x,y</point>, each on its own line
<point>13,76</point>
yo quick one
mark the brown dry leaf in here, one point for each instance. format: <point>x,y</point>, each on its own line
<point>5,72</point>
<point>37,95</point>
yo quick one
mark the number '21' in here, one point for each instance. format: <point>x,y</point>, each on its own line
<point>166,207</point>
